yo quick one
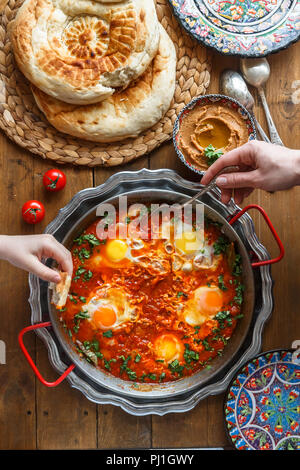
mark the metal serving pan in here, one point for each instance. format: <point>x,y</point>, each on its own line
<point>101,387</point>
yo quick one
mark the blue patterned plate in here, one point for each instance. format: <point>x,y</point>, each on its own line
<point>262,404</point>
<point>241,27</point>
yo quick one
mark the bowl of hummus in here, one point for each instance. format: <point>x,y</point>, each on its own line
<point>208,127</point>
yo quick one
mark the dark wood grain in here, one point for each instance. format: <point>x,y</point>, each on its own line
<point>32,416</point>
<point>17,383</point>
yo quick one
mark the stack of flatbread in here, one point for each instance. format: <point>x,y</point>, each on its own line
<point>101,70</point>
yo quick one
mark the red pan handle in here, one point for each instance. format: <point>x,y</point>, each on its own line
<point>276,237</point>
<point>31,363</point>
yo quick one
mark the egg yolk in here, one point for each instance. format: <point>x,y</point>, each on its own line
<point>209,301</point>
<point>105,316</point>
<point>187,242</point>
<point>168,348</point>
<point>116,250</point>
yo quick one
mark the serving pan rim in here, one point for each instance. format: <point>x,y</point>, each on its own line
<point>192,399</point>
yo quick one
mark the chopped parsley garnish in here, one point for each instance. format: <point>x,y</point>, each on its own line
<point>190,355</point>
<point>176,368</point>
<point>221,245</point>
<point>78,273</point>
<point>221,283</point>
<point>71,297</point>
<point>239,293</point>
<point>237,267</point>
<point>162,376</point>
<point>108,334</point>
<point>212,154</point>
<point>222,317</point>
<point>95,344</point>
<point>90,238</point>
<point>83,254</point>
<point>138,357</point>
<point>152,376</point>
<point>92,241</point>
<point>107,363</point>
<point>182,294</point>
<point>87,275</point>
<point>124,368</point>
<point>206,345</point>
<point>77,319</point>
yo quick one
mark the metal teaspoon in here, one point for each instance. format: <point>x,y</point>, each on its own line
<point>232,84</point>
<point>256,72</point>
<point>211,184</point>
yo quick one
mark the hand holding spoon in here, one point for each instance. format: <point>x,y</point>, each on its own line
<point>256,72</point>
<point>205,189</point>
<point>232,84</point>
<point>211,184</point>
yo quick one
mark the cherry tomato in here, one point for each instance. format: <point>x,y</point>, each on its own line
<point>54,180</point>
<point>33,212</point>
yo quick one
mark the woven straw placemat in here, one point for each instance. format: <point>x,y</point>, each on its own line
<point>24,123</point>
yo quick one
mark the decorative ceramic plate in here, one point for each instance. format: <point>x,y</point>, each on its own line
<point>241,27</point>
<point>262,404</point>
<point>204,101</point>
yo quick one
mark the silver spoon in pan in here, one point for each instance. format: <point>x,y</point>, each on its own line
<point>210,185</point>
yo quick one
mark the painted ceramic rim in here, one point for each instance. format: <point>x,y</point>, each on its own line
<point>285,38</point>
<point>239,444</point>
<point>213,98</point>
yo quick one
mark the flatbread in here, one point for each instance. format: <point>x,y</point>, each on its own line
<point>60,291</point>
<point>81,51</point>
<point>124,114</point>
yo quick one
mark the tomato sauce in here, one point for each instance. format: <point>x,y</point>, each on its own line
<point>163,300</point>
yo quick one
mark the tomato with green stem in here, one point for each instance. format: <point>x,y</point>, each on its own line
<point>54,180</point>
<point>33,212</point>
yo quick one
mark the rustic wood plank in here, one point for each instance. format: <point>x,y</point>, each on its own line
<point>17,383</point>
<point>120,430</point>
<point>283,95</point>
<point>65,418</point>
<point>116,428</point>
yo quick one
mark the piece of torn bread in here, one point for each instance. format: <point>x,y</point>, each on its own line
<point>60,291</point>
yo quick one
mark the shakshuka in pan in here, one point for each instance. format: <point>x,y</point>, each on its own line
<point>153,309</point>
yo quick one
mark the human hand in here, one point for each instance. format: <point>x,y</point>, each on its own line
<point>27,252</point>
<point>264,166</point>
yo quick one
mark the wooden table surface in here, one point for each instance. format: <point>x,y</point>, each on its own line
<point>35,417</point>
